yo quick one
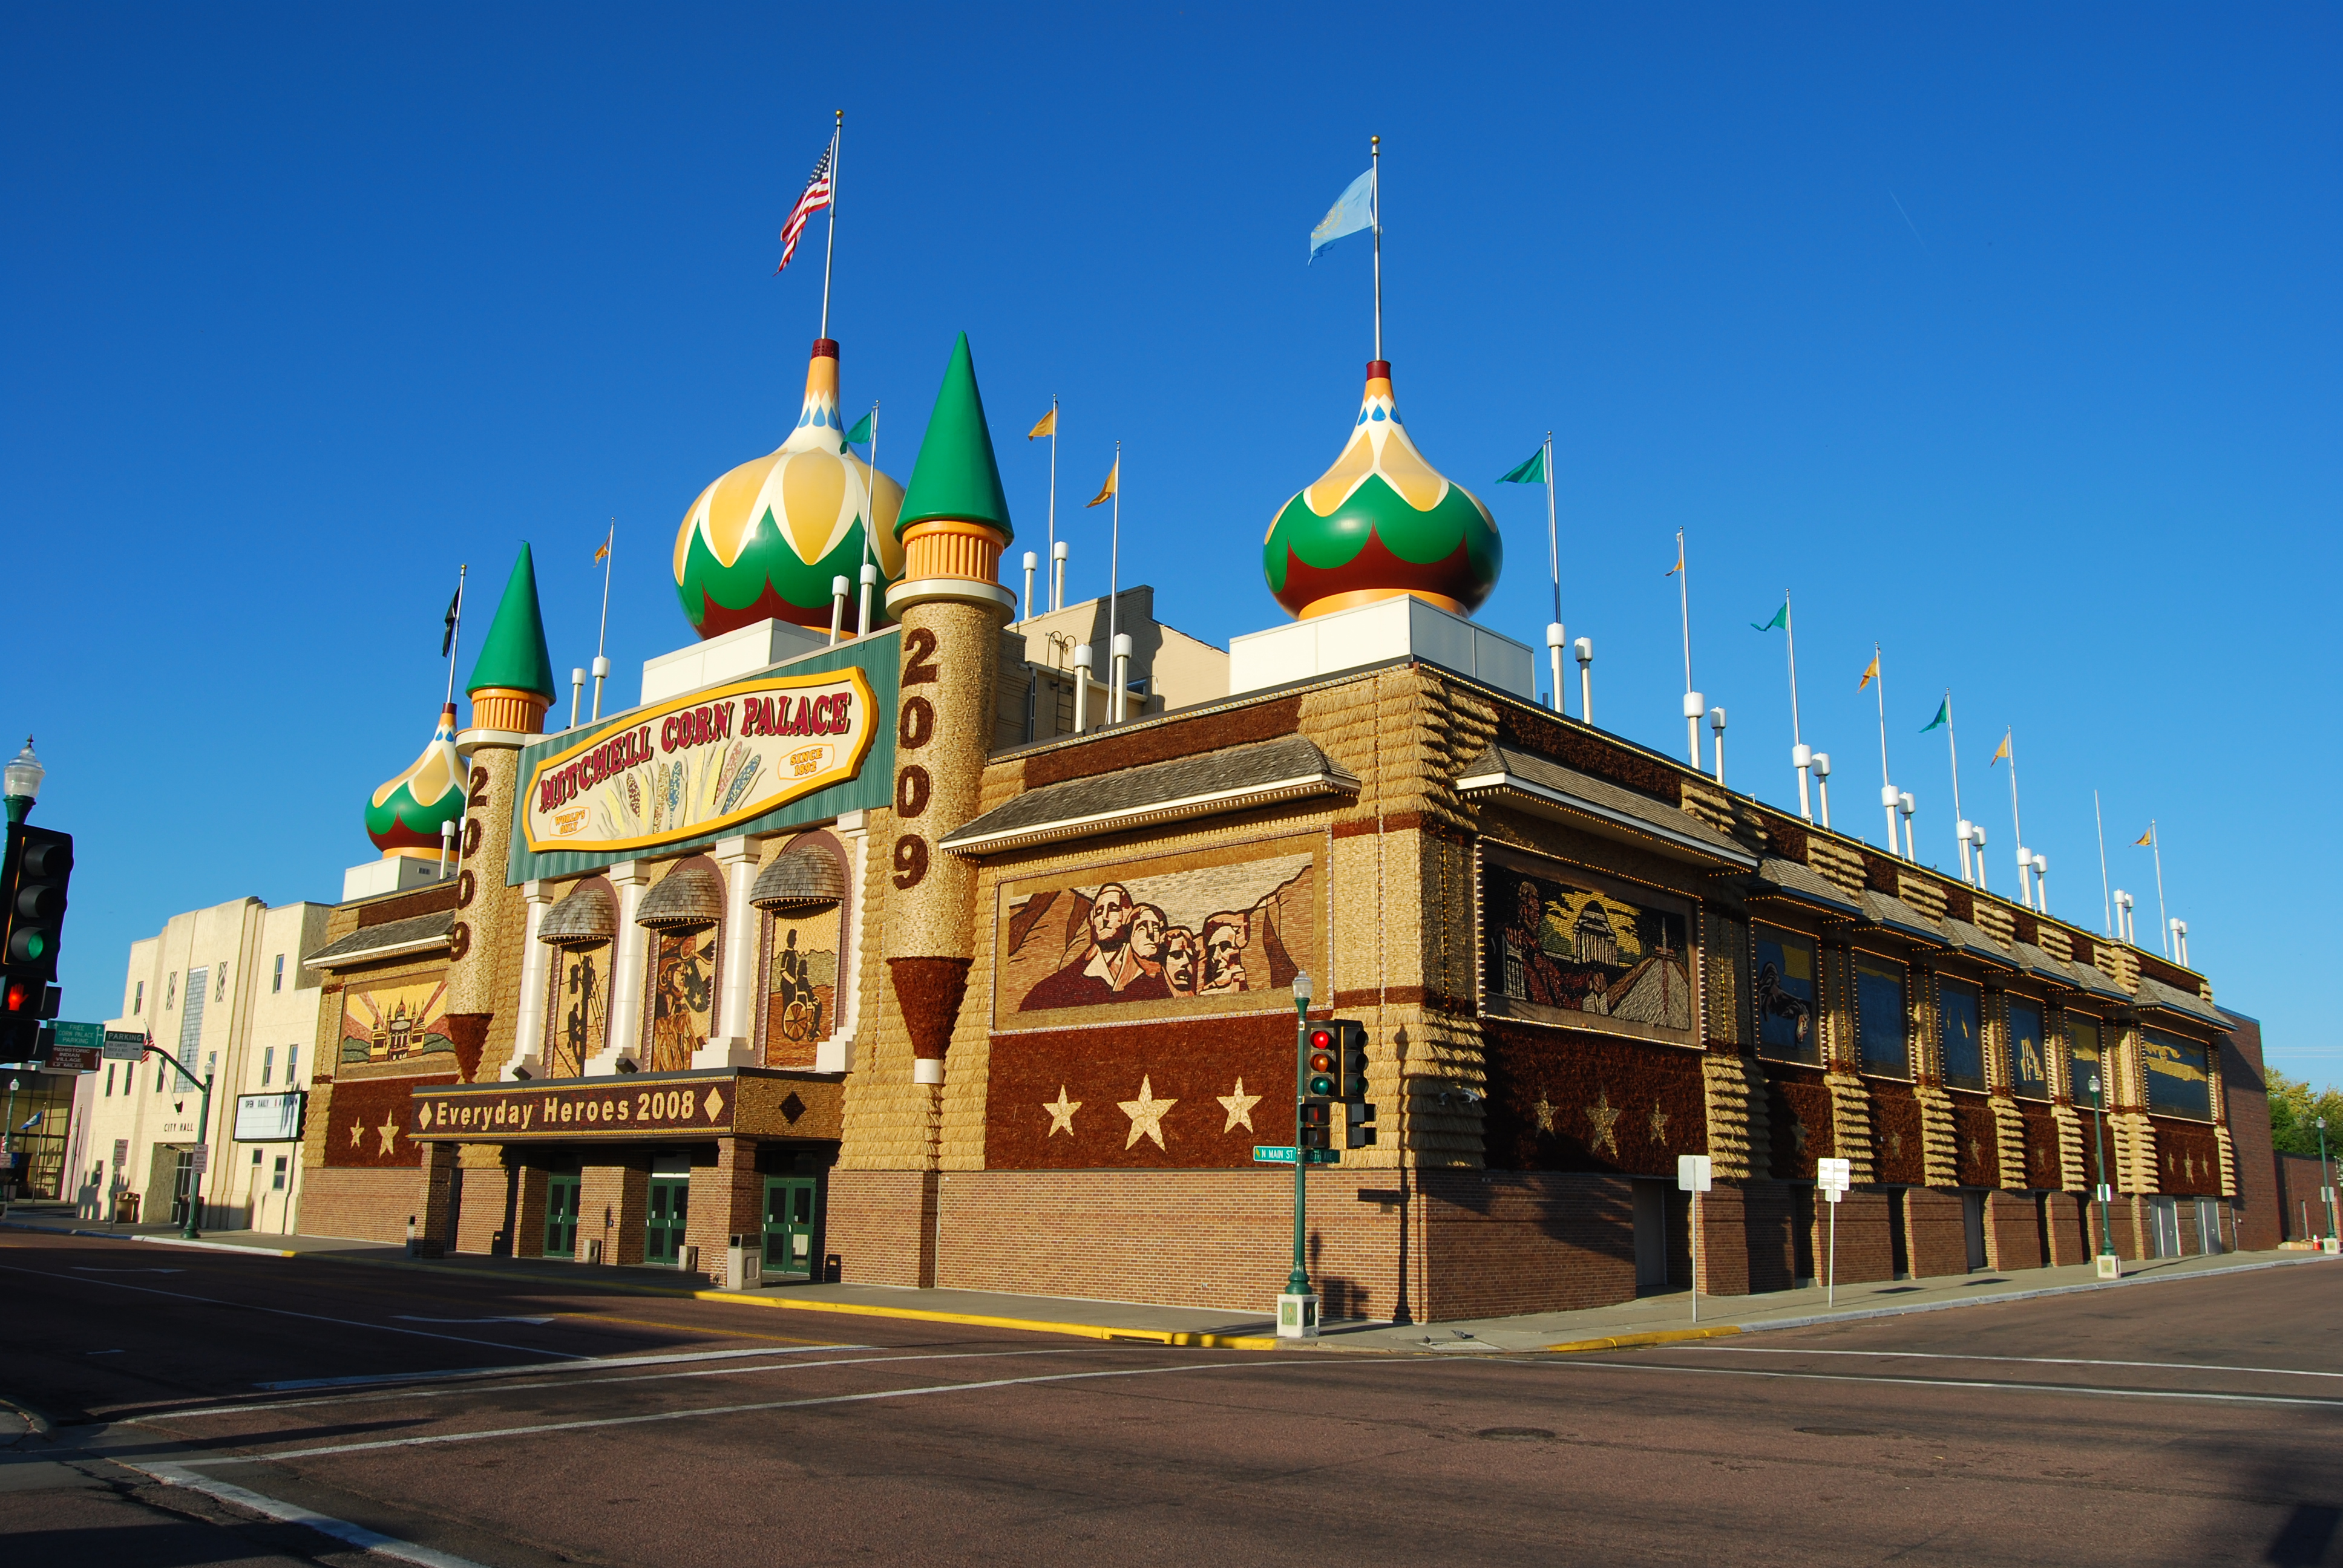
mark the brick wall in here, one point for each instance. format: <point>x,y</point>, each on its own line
<point>2298,1180</point>
<point>613,1202</point>
<point>1936,1241</point>
<point>1865,1250</point>
<point>2012,1231</point>
<point>727,1200</point>
<point>882,1226</point>
<point>2261,1225</point>
<point>359,1205</point>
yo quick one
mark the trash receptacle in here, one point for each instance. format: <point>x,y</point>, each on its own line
<point>744,1261</point>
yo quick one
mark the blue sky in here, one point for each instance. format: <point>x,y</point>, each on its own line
<point>2004,337</point>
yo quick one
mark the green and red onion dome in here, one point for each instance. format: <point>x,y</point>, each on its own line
<point>764,541</point>
<point>403,816</point>
<point>1382,522</point>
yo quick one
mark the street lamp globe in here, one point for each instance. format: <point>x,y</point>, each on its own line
<point>1301,993</point>
<point>24,775</point>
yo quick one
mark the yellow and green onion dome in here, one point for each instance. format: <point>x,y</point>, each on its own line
<point>403,816</point>
<point>1382,522</point>
<point>764,541</point>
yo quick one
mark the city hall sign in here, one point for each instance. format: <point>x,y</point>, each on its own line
<point>697,765</point>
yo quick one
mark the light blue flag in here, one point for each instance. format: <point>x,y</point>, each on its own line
<point>1353,210</point>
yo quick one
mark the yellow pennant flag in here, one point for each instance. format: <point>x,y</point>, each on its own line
<point>2144,839</point>
<point>1679,566</point>
<point>1048,427</point>
<point>2001,752</point>
<point>1106,489</point>
<point>1870,673</point>
<point>604,553</point>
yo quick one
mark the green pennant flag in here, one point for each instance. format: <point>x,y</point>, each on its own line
<point>861,433</point>
<point>1781,618</point>
<point>1944,716</point>
<point>1530,473</point>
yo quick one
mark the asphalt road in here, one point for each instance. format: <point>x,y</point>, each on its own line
<point>518,1423</point>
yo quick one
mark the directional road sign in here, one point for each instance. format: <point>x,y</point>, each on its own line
<point>1275,1154</point>
<point>121,1044</point>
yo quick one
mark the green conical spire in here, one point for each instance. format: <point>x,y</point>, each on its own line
<point>956,476</point>
<point>515,655</point>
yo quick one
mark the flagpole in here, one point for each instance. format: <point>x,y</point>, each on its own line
<point>2106,901</point>
<point>1683,608</point>
<point>829,243</point>
<point>1375,195</point>
<point>2016,827</point>
<point>1886,784</point>
<point>1113,578</point>
<point>1953,747</point>
<point>2163,921</point>
<point>863,624</point>
<point>1554,559</point>
<point>602,665</point>
<point>1800,757</point>
<point>456,635</point>
<point>1057,572</point>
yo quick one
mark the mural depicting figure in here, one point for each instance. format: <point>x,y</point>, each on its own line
<point>1160,933</point>
<point>1563,946</point>
<point>1785,994</point>
<point>800,988</point>
<point>580,1011</point>
<point>683,996</point>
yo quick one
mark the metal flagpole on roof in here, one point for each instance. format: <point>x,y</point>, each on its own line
<point>1953,746</point>
<point>602,665</point>
<point>2163,921</point>
<point>1376,198</point>
<point>1056,572</point>
<point>829,243</point>
<point>862,625</point>
<point>1799,757</point>
<point>454,631</point>
<point>2017,828</point>
<point>1886,784</point>
<point>2106,900</point>
<point>1554,559</point>
<point>1113,578</point>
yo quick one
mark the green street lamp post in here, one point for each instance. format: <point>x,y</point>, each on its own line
<point>1297,1283</point>
<point>2099,1159</point>
<point>20,783</point>
<point>202,1133</point>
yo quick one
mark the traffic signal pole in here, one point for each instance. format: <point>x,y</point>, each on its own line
<point>1297,1283</point>
<point>203,1143</point>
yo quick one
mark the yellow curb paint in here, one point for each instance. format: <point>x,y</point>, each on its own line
<point>1629,1341</point>
<point>1029,1325</point>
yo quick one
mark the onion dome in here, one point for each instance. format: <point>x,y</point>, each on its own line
<point>512,681</point>
<point>764,541</point>
<point>1380,523</point>
<point>403,816</point>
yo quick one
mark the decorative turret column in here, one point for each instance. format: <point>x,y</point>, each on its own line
<point>954,525</point>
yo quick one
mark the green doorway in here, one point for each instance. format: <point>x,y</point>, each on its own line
<point>792,1223</point>
<point>561,1216</point>
<point>671,1197</point>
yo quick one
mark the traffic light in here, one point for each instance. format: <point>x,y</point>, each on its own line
<point>32,876</point>
<point>1351,1082</point>
<point>1317,1124</point>
<point>1322,1063</point>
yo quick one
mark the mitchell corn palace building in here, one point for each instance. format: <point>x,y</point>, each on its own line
<point>897,957</point>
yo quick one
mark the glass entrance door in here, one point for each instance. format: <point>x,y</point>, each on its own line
<point>792,1217</point>
<point>182,1185</point>
<point>561,1216</point>
<point>663,1229</point>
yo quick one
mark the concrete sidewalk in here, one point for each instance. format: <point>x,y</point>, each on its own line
<point>1648,1319</point>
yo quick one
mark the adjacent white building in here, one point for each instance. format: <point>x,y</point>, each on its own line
<point>223,990</point>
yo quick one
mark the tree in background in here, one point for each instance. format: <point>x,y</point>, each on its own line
<point>2294,1113</point>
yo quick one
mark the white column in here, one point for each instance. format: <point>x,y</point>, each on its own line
<point>529,1030</point>
<point>835,1054</point>
<point>735,1008</point>
<point>630,879</point>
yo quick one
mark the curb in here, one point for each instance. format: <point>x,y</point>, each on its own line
<point>1179,1337</point>
<point>215,1246</point>
<point>1659,1337</point>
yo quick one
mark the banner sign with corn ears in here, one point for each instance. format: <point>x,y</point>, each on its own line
<point>700,764</point>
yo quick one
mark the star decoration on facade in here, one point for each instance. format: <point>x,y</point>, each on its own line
<point>388,1132</point>
<point>1976,1149</point>
<point>1238,1105</point>
<point>1659,1125</point>
<point>1543,1112</point>
<point>1797,1136</point>
<point>1146,1113</point>
<point>1061,1114</point>
<point>357,1133</point>
<point>1603,1118</point>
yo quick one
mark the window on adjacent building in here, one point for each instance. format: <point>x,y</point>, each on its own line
<point>221,994</point>
<point>109,1080</point>
<point>1957,1015</point>
<point>139,1000</point>
<point>2176,1083</point>
<point>171,992</point>
<point>1789,1023</point>
<point>267,1064</point>
<point>2029,1069</point>
<point>2083,1060</point>
<point>278,1184</point>
<point>276,980</point>
<point>293,1065</point>
<point>1879,1016</point>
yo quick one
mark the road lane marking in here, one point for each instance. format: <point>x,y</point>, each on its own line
<point>290,1312</point>
<point>294,1513</point>
<point>279,1455</point>
<point>709,1329</point>
<point>271,1406</point>
<point>1954,1383</point>
<point>89,1269</point>
<point>583,1363</point>
<point>2021,1360</point>
<point>411,1318</point>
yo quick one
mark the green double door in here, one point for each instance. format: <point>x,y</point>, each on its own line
<point>561,1216</point>
<point>792,1226</point>
<point>670,1198</point>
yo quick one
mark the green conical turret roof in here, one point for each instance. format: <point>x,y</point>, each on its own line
<point>515,655</point>
<point>956,476</point>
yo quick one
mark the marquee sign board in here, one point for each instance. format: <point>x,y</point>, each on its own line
<point>575,1109</point>
<point>270,1118</point>
<point>699,764</point>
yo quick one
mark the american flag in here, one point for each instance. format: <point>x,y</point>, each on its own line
<point>815,197</point>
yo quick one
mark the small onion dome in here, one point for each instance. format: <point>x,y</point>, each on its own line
<point>764,541</point>
<point>1380,523</point>
<point>403,816</point>
<point>798,879</point>
<point>690,895</point>
<point>588,915</point>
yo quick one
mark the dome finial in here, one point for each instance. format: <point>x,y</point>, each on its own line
<point>404,816</point>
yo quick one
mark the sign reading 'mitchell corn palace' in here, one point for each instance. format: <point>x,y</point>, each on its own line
<point>700,764</point>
